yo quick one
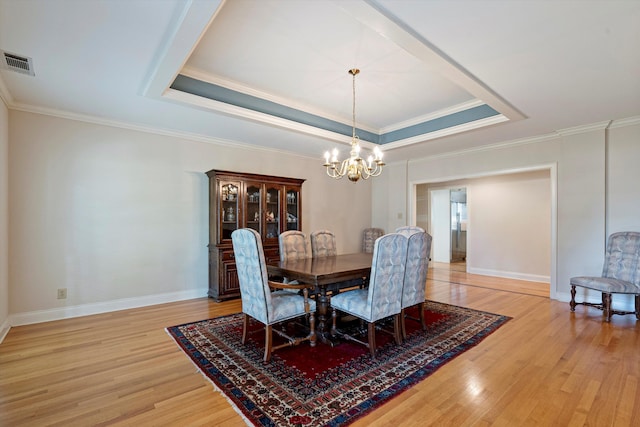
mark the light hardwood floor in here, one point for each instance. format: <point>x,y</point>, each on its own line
<point>544,367</point>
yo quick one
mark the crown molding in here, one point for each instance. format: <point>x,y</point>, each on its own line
<point>5,95</point>
<point>630,121</point>
<point>152,130</point>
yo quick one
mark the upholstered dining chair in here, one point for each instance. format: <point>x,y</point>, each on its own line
<point>410,229</point>
<point>620,275</point>
<point>415,273</point>
<point>258,300</point>
<point>369,236</point>
<point>323,243</point>
<point>383,297</point>
<point>293,245</point>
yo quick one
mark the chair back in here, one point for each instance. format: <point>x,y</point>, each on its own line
<point>416,266</point>
<point>622,257</point>
<point>252,274</point>
<point>408,230</point>
<point>323,243</point>
<point>387,276</point>
<point>369,236</point>
<point>293,245</point>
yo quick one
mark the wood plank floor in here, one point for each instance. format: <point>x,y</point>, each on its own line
<point>545,367</point>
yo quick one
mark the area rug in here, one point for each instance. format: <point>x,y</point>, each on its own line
<point>324,385</point>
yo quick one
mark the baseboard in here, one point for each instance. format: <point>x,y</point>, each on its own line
<point>4,329</point>
<point>18,319</point>
<point>509,275</point>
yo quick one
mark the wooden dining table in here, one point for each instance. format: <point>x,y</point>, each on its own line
<point>321,272</point>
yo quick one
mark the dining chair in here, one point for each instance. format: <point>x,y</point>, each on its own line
<point>383,297</point>
<point>410,229</point>
<point>415,274</point>
<point>620,275</point>
<point>259,302</point>
<point>292,245</point>
<point>323,243</point>
<point>369,236</point>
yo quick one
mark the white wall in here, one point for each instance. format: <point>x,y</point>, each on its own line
<point>4,220</point>
<point>119,217</point>
<point>578,197</point>
<point>510,226</point>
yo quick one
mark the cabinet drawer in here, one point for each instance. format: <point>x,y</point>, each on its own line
<point>227,255</point>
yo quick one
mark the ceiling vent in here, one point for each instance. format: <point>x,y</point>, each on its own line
<point>17,63</point>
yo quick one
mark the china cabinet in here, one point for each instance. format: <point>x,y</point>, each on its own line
<point>268,204</point>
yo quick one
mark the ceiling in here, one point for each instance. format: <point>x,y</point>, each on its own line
<point>436,76</point>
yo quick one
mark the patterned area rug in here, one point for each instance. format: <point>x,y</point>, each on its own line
<point>331,386</point>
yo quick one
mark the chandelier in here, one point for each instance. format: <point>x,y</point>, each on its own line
<point>355,166</point>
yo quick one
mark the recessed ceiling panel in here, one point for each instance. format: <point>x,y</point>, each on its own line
<point>291,59</point>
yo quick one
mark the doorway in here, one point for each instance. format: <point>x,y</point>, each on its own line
<point>448,224</point>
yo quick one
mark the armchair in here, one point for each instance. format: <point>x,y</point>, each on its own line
<point>620,275</point>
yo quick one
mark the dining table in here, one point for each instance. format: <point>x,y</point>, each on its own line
<point>321,272</point>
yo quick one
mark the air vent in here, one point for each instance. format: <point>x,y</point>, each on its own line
<point>17,63</point>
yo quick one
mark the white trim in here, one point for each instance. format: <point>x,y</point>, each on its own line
<point>39,316</point>
<point>4,329</point>
<point>5,95</point>
<point>509,275</point>
<point>629,121</point>
<point>552,279</point>
<point>431,116</point>
<point>152,130</point>
<point>464,127</point>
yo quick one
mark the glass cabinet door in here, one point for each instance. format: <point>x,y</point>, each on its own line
<point>293,209</point>
<point>272,212</point>
<point>229,215</point>
<point>253,195</point>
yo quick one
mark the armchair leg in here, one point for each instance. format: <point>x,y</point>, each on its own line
<point>403,326</point>
<point>606,303</point>
<point>572,303</point>
<point>638,307</point>
<point>423,321</point>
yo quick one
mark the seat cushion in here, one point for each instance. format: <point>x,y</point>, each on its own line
<point>287,305</point>
<point>353,302</point>
<point>606,285</point>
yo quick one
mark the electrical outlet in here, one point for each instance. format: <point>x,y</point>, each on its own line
<point>62,293</point>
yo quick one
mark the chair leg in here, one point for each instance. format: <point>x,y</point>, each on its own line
<point>267,342</point>
<point>638,307</point>
<point>606,304</point>
<point>423,321</point>
<point>245,325</point>
<point>403,326</point>
<point>312,332</point>
<point>372,339</point>
<point>572,303</point>
<point>397,328</point>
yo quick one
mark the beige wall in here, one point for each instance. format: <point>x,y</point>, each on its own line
<point>119,217</point>
<point>582,161</point>
<point>4,219</point>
